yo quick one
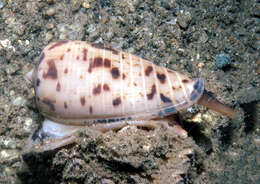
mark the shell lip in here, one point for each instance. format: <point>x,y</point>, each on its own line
<point>198,89</point>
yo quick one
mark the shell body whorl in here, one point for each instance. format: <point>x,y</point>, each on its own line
<point>82,83</point>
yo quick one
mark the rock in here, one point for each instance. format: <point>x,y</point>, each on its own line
<point>8,155</point>
<point>51,11</point>
<point>222,60</point>
<point>7,44</point>
<point>85,5</point>
<point>19,101</point>
<point>184,19</point>
<point>28,123</point>
<point>19,29</point>
<point>50,25</point>
<point>71,32</point>
<point>48,36</point>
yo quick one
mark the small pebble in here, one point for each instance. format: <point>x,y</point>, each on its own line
<point>10,21</point>
<point>8,155</point>
<point>172,21</point>
<point>184,19</point>
<point>20,42</point>
<point>203,37</point>
<point>19,101</point>
<point>201,65</point>
<point>12,93</point>
<point>147,147</point>
<point>85,5</point>
<point>20,29</point>
<point>222,60</point>
<point>197,118</point>
<point>7,44</point>
<point>12,69</point>
<point>51,11</point>
<point>28,124</point>
<point>50,25</point>
<point>8,143</point>
<point>75,5</point>
<point>27,42</point>
<point>106,181</point>
<point>48,36</point>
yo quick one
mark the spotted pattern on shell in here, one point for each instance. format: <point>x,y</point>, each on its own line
<point>97,90</point>
<point>82,100</point>
<point>148,70</point>
<point>152,93</point>
<point>84,76</point>
<point>52,71</point>
<point>79,84</point>
<point>117,101</point>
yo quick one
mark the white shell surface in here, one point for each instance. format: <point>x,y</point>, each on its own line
<point>82,83</point>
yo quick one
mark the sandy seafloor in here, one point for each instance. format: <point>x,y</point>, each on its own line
<point>217,40</point>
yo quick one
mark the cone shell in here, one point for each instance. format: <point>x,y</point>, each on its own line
<point>82,83</point>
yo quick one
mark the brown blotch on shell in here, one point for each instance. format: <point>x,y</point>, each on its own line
<point>52,71</point>
<point>91,110</point>
<point>116,101</point>
<point>62,57</point>
<point>152,93</point>
<point>106,87</point>
<point>38,82</point>
<point>82,100</point>
<point>68,50</point>
<point>161,77</point>
<point>148,70</point>
<point>58,87</point>
<point>65,105</point>
<point>123,56</point>
<point>185,80</point>
<point>66,70</point>
<point>115,72</point>
<point>98,62</point>
<point>176,88</point>
<point>97,90</point>
<point>85,54</point>
<point>165,99</point>
<point>101,46</point>
<point>77,57</point>
<point>90,67</point>
<point>107,63</point>
<point>50,103</point>
<point>124,76</point>
<point>57,44</point>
